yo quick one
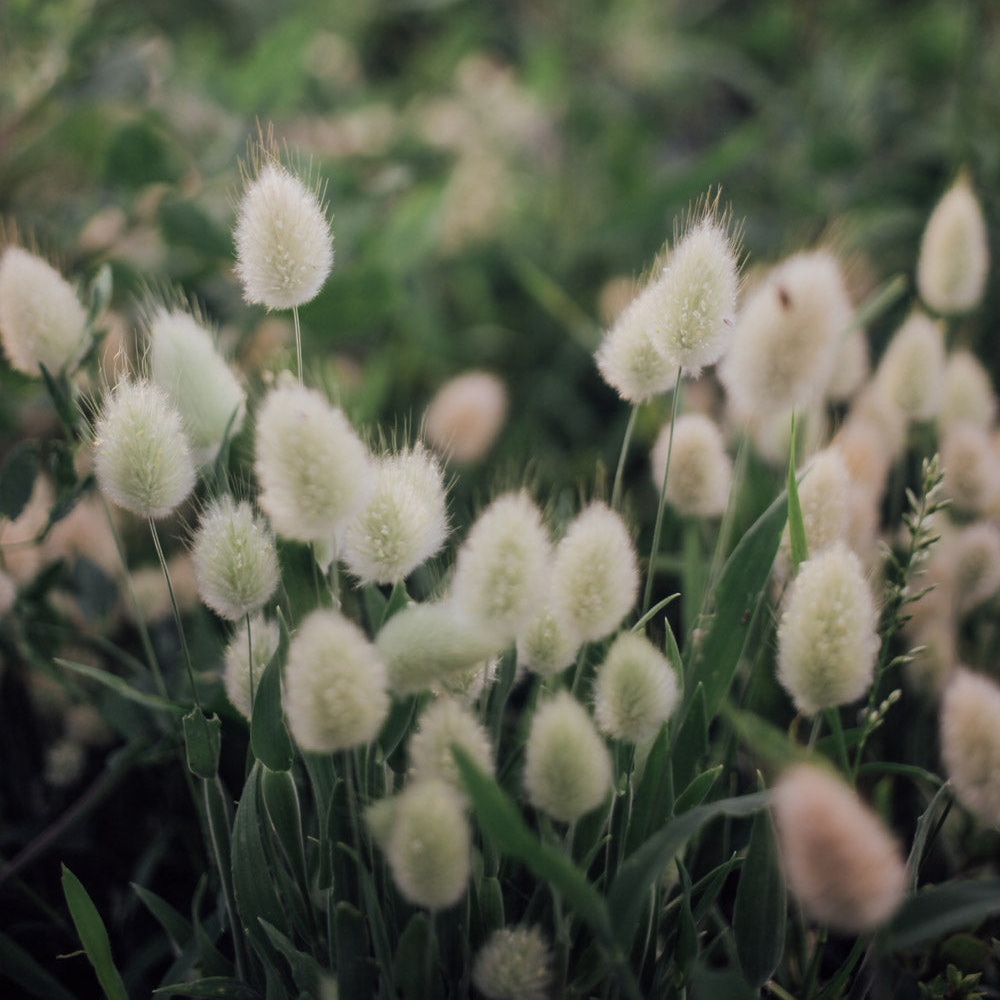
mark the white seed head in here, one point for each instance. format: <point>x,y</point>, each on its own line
<point>141,455</point>
<point>970,743</point>
<point>202,387</point>
<point>284,249</point>
<point>567,768</point>
<point>314,472</point>
<point>444,723</point>
<point>404,522</point>
<point>465,416</point>
<point>41,320</point>
<point>933,666</point>
<point>851,366</point>
<point>635,691</point>
<point>467,685</point>
<point>954,253</point>
<point>787,336</point>
<point>968,395</point>
<point>429,846</point>
<point>425,644</point>
<point>335,695</point>
<point>827,639</point>
<point>824,495</point>
<point>976,560</point>
<point>700,470</point>
<point>694,300</point>
<point>515,963</point>
<point>548,644</point>
<point>501,570</point>
<point>971,468</point>
<point>237,674</point>
<point>840,861</point>
<point>909,374</point>
<point>627,359</point>
<point>595,574</point>
<point>234,559</point>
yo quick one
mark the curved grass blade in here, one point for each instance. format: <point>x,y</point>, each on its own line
<point>93,936</point>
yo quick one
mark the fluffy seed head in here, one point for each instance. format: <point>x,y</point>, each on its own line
<point>954,254</point>
<point>700,471</point>
<point>850,367</point>
<point>934,665</point>
<point>970,743</point>
<point>404,522</point>
<point>595,576</point>
<point>427,643</point>
<point>635,691</point>
<point>465,416</point>
<point>444,723</point>
<point>976,560</point>
<point>971,468</point>
<point>185,364</point>
<point>234,559</point>
<point>839,860</point>
<point>567,768</point>
<point>8,593</point>
<point>824,495</point>
<point>627,359</point>
<point>284,249</point>
<point>515,963</point>
<point>694,300</point>
<point>41,320</point>
<point>428,848</point>
<point>547,645</point>
<point>787,336</point>
<point>335,695</point>
<point>501,569</point>
<point>466,686</point>
<point>909,374</point>
<point>237,674</point>
<point>827,640</point>
<point>313,470</point>
<point>968,395</point>
<point>141,454</point>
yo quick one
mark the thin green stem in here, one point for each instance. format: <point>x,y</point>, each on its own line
<point>250,662</point>
<point>616,492</point>
<point>813,969</point>
<point>298,340</point>
<point>176,610</point>
<point>833,720</point>
<point>814,732</point>
<point>647,596</point>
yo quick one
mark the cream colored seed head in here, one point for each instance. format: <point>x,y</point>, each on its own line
<point>444,723</point>
<point>909,374</point>
<point>824,495</point>
<point>237,674</point>
<point>547,645</point>
<point>515,963</point>
<point>700,470</point>
<point>465,416</point>
<point>971,468</point>
<point>968,393</point>
<point>976,561</point>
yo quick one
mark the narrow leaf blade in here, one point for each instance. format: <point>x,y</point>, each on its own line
<point>93,936</point>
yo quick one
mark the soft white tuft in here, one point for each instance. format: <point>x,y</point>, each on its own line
<point>447,722</point>
<point>700,470</point>
<point>238,673</point>
<point>465,416</point>
<point>515,963</point>
<point>909,374</point>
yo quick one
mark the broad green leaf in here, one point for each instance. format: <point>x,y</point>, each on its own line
<point>93,936</point>
<point>269,738</point>
<point>644,867</point>
<point>759,914</point>
<point>203,741</point>
<point>116,684</point>
<point>222,987</point>
<point>281,801</point>
<point>695,793</point>
<point>373,909</point>
<point>178,929</point>
<point>690,742</point>
<point>500,819</point>
<point>17,478</point>
<point>357,974</point>
<point>737,595</point>
<point>651,792</point>
<point>686,948</point>
<point>490,898</point>
<point>18,966</point>
<point>941,910</point>
<point>928,819</point>
<point>410,963</point>
<point>767,742</point>
<point>714,984</point>
<point>796,527</point>
<point>306,971</point>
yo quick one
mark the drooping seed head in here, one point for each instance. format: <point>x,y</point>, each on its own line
<point>515,963</point>
<point>567,768</point>
<point>41,320</point>
<point>284,249</point>
<point>336,685</point>
<point>141,455</point>
<point>595,576</point>
<point>827,639</point>
<point>202,387</point>
<point>700,470</point>
<point>635,691</point>
<point>234,559</point>
<point>404,522</point>
<point>444,723</point>
<point>238,673</point>
<point>465,416</point>
<point>909,374</point>
<point>314,472</point>
<point>954,253</point>
<point>840,862</point>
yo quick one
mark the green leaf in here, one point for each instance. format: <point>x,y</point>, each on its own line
<point>766,741</point>
<point>690,742</point>
<point>61,392</point>
<point>737,595</point>
<point>306,971</point>
<point>695,793</point>
<point>215,986</point>
<point>651,792</point>
<point>796,526</point>
<point>203,741</point>
<point>357,974</point>
<point>926,822</point>
<point>941,910</point>
<point>714,984</point>
<point>93,936</point>
<point>269,738</point>
<point>178,929</point>
<point>116,684</point>
<point>398,600</point>
<point>100,294</point>
<point>644,867</point>
<point>410,963</point>
<point>281,801</point>
<point>759,914</point>
<point>17,478</point>
<point>500,819</point>
<point>18,965</point>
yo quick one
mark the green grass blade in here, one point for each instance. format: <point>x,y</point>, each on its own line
<point>93,936</point>
<point>18,966</point>
<point>269,738</point>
